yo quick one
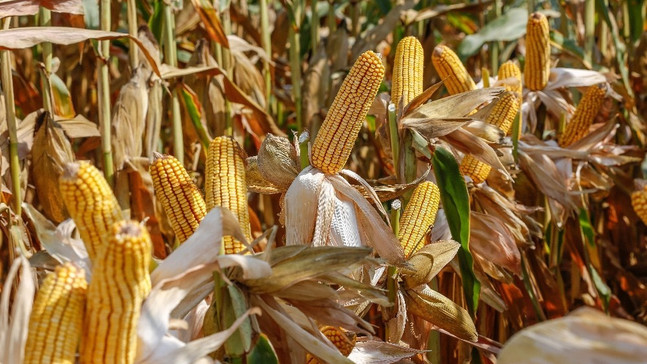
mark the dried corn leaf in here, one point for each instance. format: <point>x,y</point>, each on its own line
<point>31,7</point>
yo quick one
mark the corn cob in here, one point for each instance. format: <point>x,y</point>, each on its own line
<point>584,115</point>
<point>91,204</point>
<point>418,217</point>
<point>502,115</point>
<point>226,186</point>
<point>510,70</point>
<point>639,203</point>
<point>337,135</point>
<point>407,72</point>
<point>180,198</point>
<point>451,70</point>
<point>537,68</point>
<point>120,282</point>
<point>56,318</point>
<point>344,341</point>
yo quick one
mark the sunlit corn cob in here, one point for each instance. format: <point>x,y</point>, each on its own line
<point>639,203</point>
<point>407,72</point>
<point>337,135</point>
<point>180,198</point>
<point>510,71</point>
<point>502,115</point>
<point>584,115</point>
<point>537,68</point>
<point>451,70</point>
<point>225,185</point>
<point>418,217</point>
<point>91,204</point>
<point>57,316</point>
<point>344,341</point>
<point>120,282</point>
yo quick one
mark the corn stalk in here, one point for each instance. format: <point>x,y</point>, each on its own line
<point>170,56</point>
<point>104,96</point>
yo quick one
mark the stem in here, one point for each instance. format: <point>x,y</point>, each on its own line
<point>494,56</point>
<point>395,141</point>
<point>433,341</point>
<point>227,65</point>
<point>170,55</point>
<point>295,68</point>
<point>355,18</point>
<point>104,96</point>
<point>304,138</point>
<point>14,161</point>
<point>485,74</point>
<point>392,273</point>
<point>332,18</point>
<point>132,30</point>
<point>531,293</point>
<point>314,27</point>
<point>267,46</point>
<point>46,21</point>
<point>589,30</point>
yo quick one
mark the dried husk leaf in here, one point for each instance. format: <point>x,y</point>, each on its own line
<point>51,151</point>
<point>15,311</point>
<point>277,161</point>
<point>31,7</point>
<point>442,312</point>
<point>429,261</point>
<point>372,351</point>
<point>255,181</point>
<point>491,239</point>
<point>469,143</point>
<point>301,204</point>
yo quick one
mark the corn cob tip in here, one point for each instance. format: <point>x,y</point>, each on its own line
<point>70,170</point>
<point>125,231</point>
<point>537,16</point>
<point>158,155</point>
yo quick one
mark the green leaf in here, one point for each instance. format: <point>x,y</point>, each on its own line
<point>263,352</point>
<point>603,290</point>
<point>155,22</point>
<point>194,110</point>
<point>508,27</point>
<point>585,225</point>
<point>453,194</point>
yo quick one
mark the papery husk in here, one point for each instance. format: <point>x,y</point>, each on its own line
<point>15,310</point>
<point>277,161</point>
<point>442,312</point>
<point>373,351</point>
<point>255,180</point>
<point>427,262</point>
<point>51,151</point>
<point>492,240</point>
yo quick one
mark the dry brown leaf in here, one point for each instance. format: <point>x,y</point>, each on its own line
<point>277,161</point>
<point>492,240</point>
<point>31,7</point>
<point>210,21</point>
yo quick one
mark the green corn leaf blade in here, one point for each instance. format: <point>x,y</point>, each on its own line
<point>262,353</point>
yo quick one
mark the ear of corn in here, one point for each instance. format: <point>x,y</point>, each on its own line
<point>451,70</point>
<point>120,282</point>
<point>510,70</point>
<point>225,185</point>
<point>337,135</point>
<point>407,72</point>
<point>180,198</point>
<point>91,204</point>
<point>584,115</point>
<point>537,68</point>
<point>639,203</point>
<point>502,115</point>
<point>418,217</point>
<point>343,340</point>
<point>56,317</point>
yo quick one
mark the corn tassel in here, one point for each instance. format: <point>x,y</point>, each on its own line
<point>226,186</point>
<point>180,198</point>
<point>451,70</point>
<point>120,282</point>
<point>537,68</point>
<point>639,203</point>
<point>407,72</point>
<point>57,316</point>
<point>343,340</point>
<point>338,133</point>
<point>91,204</point>
<point>418,217</point>
<point>502,115</point>
<point>584,115</point>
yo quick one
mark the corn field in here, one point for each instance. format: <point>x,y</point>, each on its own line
<point>340,181</point>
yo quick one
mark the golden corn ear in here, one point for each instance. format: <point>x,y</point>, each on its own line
<point>337,135</point>
<point>120,282</point>
<point>451,70</point>
<point>502,115</point>
<point>584,115</point>
<point>56,317</point>
<point>510,72</point>
<point>418,217</point>
<point>225,186</point>
<point>407,72</point>
<point>343,340</point>
<point>537,68</point>
<point>639,203</point>
<point>179,196</point>
<point>91,204</point>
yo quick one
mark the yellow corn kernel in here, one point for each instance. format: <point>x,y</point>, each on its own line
<point>584,115</point>
<point>639,203</point>
<point>337,135</point>
<point>343,340</point>
<point>537,68</point>
<point>418,217</point>
<point>91,204</point>
<point>510,71</point>
<point>407,72</point>
<point>451,70</point>
<point>474,168</point>
<point>225,186</point>
<point>120,282</point>
<point>57,316</point>
<point>179,196</point>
